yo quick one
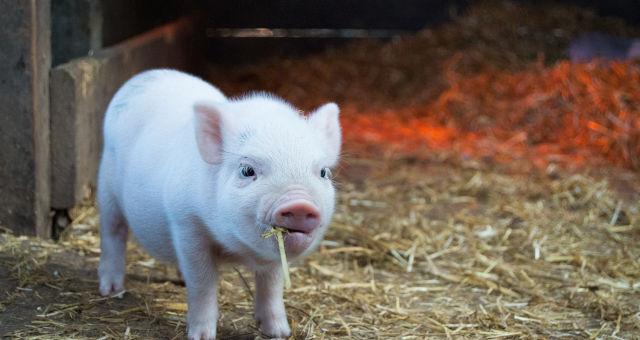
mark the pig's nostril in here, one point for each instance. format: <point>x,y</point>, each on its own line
<point>298,216</point>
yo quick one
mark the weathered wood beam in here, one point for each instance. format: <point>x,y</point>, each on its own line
<point>25,61</point>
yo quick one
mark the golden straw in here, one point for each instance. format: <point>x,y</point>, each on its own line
<point>283,256</point>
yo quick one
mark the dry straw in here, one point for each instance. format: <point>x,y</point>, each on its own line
<point>436,250</point>
<point>275,230</point>
<point>473,237</point>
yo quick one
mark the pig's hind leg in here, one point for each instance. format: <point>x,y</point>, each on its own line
<point>113,244</point>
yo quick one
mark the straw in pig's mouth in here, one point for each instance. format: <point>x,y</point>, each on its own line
<point>276,230</point>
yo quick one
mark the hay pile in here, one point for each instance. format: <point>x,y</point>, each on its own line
<point>473,224</point>
<point>430,250</point>
<point>486,85</point>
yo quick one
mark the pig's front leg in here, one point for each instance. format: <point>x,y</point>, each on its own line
<point>268,305</point>
<point>198,267</point>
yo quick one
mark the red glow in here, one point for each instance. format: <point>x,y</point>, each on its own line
<point>566,112</point>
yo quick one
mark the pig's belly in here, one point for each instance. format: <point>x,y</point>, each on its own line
<point>144,171</point>
<point>152,233</point>
<point>146,216</point>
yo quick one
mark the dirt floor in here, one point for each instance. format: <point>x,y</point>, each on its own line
<point>450,223</point>
<point>419,248</point>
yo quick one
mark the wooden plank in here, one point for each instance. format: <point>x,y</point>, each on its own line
<point>24,116</point>
<point>316,25</point>
<point>82,89</point>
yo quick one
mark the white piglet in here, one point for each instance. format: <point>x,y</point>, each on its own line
<point>199,178</point>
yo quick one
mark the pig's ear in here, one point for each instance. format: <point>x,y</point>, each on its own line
<point>209,124</point>
<point>325,119</point>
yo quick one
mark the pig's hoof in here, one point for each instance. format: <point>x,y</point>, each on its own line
<point>202,332</point>
<point>275,327</point>
<point>111,284</point>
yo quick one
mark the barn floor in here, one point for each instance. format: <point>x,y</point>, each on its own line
<point>483,193</point>
<point>418,249</point>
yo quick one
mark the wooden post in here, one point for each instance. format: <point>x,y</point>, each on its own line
<point>25,61</point>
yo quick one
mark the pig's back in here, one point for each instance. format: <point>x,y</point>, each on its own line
<point>148,130</point>
<point>157,99</point>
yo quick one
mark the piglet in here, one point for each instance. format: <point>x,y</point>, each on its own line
<point>199,178</point>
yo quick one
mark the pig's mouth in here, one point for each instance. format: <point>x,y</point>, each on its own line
<point>296,240</point>
<point>294,230</point>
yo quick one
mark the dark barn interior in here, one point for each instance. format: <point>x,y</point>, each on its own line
<point>488,187</point>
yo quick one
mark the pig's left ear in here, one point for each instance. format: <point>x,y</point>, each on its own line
<point>209,125</point>
<point>325,119</point>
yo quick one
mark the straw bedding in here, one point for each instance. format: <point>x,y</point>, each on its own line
<point>468,207</point>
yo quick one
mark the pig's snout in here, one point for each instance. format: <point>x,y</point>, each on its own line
<point>295,210</point>
<point>298,215</point>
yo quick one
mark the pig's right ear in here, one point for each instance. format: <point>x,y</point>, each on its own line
<point>209,124</point>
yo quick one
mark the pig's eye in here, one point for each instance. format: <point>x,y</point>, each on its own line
<point>247,171</point>
<point>325,173</point>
